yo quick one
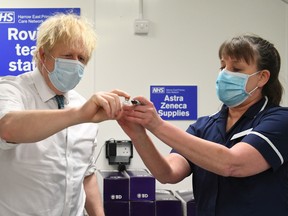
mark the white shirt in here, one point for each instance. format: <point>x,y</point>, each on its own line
<point>44,178</point>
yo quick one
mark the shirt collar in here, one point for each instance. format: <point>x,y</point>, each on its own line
<point>43,89</point>
<point>257,108</point>
<point>251,112</point>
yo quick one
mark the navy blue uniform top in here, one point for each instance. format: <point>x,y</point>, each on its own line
<point>263,126</point>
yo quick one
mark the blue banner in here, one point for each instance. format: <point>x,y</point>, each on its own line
<point>18,29</point>
<point>175,102</point>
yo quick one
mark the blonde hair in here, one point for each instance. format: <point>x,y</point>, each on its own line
<point>71,29</point>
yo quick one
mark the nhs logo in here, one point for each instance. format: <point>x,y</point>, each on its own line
<point>7,17</point>
<point>158,90</point>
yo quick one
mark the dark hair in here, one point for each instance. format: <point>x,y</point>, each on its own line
<point>254,49</point>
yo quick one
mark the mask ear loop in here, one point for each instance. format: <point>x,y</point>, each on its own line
<point>253,90</point>
<point>255,73</point>
<point>43,65</point>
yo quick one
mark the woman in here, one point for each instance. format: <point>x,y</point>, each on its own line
<point>239,155</point>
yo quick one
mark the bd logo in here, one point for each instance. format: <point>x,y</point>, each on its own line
<point>7,17</point>
<point>158,90</point>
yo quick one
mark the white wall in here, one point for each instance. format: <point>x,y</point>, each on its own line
<point>180,49</point>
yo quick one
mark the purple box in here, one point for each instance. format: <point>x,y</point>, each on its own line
<point>188,202</point>
<point>142,208</point>
<point>142,185</point>
<point>114,185</point>
<point>119,208</point>
<point>167,204</point>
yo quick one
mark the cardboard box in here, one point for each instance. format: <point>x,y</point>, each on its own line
<point>142,185</point>
<point>114,185</point>
<point>142,208</point>
<point>188,202</point>
<point>119,208</point>
<point>167,204</point>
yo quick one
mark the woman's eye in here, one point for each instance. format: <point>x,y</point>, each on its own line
<point>236,70</point>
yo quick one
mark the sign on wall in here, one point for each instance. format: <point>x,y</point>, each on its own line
<point>18,27</point>
<point>175,102</point>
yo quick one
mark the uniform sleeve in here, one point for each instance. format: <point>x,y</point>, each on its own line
<point>270,137</point>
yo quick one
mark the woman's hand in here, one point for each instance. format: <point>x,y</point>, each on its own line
<point>135,118</point>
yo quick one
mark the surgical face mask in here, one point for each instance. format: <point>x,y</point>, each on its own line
<point>231,87</point>
<point>66,75</point>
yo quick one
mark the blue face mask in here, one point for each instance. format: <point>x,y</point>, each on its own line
<point>66,75</point>
<point>231,87</point>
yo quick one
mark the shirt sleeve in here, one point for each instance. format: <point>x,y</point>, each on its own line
<point>10,100</point>
<point>92,164</point>
<point>5,146</point>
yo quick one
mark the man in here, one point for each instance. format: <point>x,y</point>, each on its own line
<point>47,158</point>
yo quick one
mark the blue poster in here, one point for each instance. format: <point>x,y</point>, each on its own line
<point>18,27</point>
<point>175,102</point>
